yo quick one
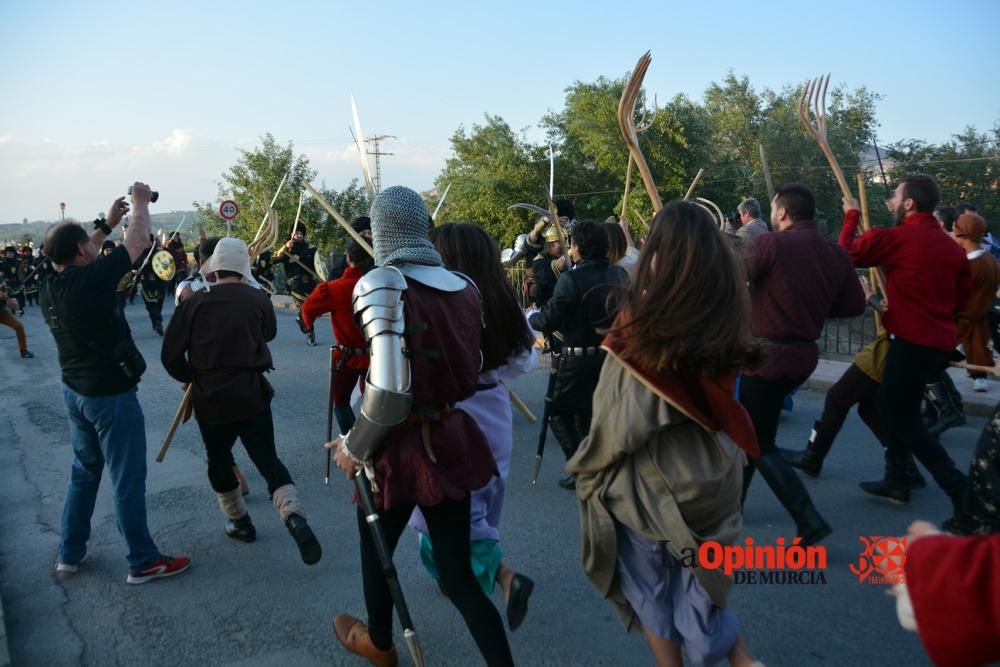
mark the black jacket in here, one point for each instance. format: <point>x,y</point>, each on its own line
<point>579,304</point>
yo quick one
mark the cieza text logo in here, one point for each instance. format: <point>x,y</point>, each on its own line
<point>881,561</point>
<point>750,563</point>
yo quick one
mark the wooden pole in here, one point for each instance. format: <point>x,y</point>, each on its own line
<point>694,183</point>
<point>767,173</point>
<point>181,409</point>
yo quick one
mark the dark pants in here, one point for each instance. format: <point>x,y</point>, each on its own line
<point>257,435</point>
<point>448,524</point>
<point>763,398</point>
<point>572,400</point>
<point>155,310</point>
<point>854,387</point>
<point>907,369</point>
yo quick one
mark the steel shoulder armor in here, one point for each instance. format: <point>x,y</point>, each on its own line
<point>378,307</point>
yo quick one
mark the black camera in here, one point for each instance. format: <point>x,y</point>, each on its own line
<point>153,195</point>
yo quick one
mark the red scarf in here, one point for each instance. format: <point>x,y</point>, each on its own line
<point>707,401</point>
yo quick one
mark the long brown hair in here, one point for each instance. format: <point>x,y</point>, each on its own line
<point>688,309</point>
<point>470,250</point>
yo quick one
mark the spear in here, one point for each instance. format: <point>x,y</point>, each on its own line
<point>359,141</point>
<point>440,201</point>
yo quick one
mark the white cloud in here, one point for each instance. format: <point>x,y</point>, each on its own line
<point>176,144</point>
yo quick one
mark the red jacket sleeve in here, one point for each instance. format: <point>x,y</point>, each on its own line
<point>848,229</point>
<point>872,248</point>
<point>954,585</point>
<point>316,304</point>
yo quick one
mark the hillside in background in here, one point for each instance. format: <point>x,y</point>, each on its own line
<point>14,234</point>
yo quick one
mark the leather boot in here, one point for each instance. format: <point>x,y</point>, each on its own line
<point>792,494</point>
<point>564,428</point>
<point>951,480</point>
<point>810,459</point>
<point>353,634</point>
<point>893,485</point>
<point>950,411</point>
<point>241,529</point>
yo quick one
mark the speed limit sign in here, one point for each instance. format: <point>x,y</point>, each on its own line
<point>228,209</point>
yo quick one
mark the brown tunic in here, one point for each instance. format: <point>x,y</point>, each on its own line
<point>443,334</point>
<point>973,328</point>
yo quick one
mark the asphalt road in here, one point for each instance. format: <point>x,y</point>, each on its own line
<point>257,604</point>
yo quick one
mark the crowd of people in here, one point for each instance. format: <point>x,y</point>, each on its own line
<point>670,360</point>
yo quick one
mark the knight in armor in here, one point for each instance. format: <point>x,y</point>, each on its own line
<point>350,354</point>
<point>217,341</point>
<point>153,290</point>
<point>418,450</point>
<point>580,311</point>
<point>550,261</point>
<point>297,257</point>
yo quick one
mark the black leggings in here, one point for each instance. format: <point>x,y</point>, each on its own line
<point>257,434</point>
<point>854,387</point>
<point>448,523</point>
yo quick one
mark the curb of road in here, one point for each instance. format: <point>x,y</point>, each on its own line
<point>976,405</point>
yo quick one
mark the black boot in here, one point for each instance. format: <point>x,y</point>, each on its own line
<point>950,411</point>
<point>304,537</point>
<point>241,529</point>
<point>893,486</point>
<point>564,428</point>
<point>914,480</point>
<point>311,339</point>
<point>158,327</point>
<point>792,494</point>
<point>810,459</point>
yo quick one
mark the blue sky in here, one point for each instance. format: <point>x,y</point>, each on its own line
<point>96,95</point>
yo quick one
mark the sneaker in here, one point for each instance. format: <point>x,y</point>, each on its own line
<point>981,385</point>
<point>70,569</point>
<point>166,566</point>
<point>25,354</point>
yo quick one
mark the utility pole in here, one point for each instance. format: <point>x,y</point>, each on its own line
<point>378,155</point>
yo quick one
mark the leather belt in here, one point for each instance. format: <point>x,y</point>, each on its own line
<point>581,351</point>
<point>353,351</point>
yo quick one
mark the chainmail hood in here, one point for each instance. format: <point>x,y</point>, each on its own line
<point>400,223</point>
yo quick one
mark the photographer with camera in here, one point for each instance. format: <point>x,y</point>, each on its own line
<point>749,224</point>
<point>100,370</point>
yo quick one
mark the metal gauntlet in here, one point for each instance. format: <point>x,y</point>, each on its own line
<point>378,306</point>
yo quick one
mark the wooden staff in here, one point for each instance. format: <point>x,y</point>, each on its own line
<point>340,220</point>
<point>181,409</point>
<point>874,273</point>
<point>626,121</point>
<point>519,404</point>
<point>694,183</point>
<point>767,173</point>
<point>994,369</point>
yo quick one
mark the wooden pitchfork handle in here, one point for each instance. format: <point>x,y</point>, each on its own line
<point>181,409</point>
<point>626,121</point>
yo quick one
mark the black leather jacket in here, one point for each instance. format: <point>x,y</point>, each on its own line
<point>579,304</point>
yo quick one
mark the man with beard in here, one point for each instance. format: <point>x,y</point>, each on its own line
<point>928,284</point>
<point>797,280</point>
<point>579,309</point>
<point>297,257</point>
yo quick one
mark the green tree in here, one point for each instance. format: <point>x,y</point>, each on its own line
<point>492,168</point>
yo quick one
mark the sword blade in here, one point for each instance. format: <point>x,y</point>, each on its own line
<point>441,201</point>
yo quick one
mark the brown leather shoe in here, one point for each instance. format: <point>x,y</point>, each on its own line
<point>353,634</point>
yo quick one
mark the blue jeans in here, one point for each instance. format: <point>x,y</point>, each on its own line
<point>112,430</point>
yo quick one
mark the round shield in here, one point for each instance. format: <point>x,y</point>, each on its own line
<point>319,265</point>
<point>24,270</point>
<point>163,265</point>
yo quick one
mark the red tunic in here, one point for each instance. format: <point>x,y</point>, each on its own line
<point>335,297</point>
<point>954,585</point>
<point>443,336</point>
<point>927,274</point>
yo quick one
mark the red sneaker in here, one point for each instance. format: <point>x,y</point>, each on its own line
<point>167,566</point>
